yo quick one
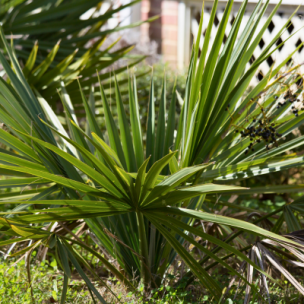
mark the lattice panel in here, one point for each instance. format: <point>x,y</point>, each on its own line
<point>296,28</point>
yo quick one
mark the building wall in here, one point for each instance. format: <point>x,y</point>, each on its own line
<point>164,30</point>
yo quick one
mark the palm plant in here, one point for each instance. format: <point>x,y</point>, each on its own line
<point>142,202</point>
<point>51,42</point>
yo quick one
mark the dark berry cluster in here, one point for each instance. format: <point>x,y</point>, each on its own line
<point>291,98</point>
<point>260,126</point>
<point>263,131</point>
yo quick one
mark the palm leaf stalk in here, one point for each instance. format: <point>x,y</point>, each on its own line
<point>143,202</point>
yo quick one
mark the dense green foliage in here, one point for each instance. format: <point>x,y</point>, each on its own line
<point>147,209</point>
<point>54,43</point>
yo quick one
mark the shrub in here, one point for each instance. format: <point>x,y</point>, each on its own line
<point>144,205</point>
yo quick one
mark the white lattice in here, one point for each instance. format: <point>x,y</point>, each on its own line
<point>278,21</point>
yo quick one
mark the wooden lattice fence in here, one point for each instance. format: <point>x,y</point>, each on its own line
<point>295,28</point>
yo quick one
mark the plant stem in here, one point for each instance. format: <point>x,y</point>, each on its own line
<point>144,252</point>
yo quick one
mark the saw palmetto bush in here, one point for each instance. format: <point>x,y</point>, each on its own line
<point>54,43</point>
<point>146,195</point>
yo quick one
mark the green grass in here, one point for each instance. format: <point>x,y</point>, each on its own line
<point>47,287</point>
<point>46,284</point>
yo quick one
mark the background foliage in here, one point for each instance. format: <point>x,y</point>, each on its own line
<point>54,43</point>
